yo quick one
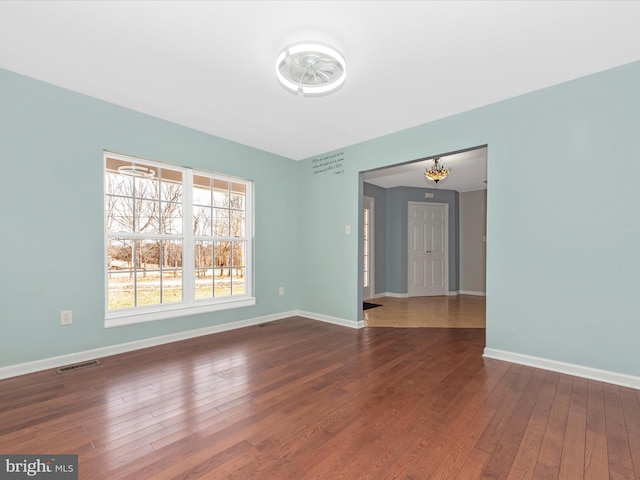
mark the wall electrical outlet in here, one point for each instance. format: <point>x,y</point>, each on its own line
<point>66,317</point>
<point>281,291</point>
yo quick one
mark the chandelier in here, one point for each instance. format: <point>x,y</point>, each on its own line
<point>437,172</point>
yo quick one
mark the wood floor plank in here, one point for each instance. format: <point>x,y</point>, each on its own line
<point>631,411</point>
<point>620,459</point>
<point>524,463</point>
<point>491,436</point>
<point>473,466</point>
<point>300,399</point>
<point>596,454</point>
<point>548,465</point>
<point>469,428</point>
<point>504,453</point>
<point>573,449</point>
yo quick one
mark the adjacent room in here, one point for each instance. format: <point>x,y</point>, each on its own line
<point>433,233</point>
<point>311,239</point>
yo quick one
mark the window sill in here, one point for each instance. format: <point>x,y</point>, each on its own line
<point>130,317</point>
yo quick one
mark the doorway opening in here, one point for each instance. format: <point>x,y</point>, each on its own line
<point>447,220</point>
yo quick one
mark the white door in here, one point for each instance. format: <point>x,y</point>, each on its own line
<point>368,256</point>
<point>427,249</point>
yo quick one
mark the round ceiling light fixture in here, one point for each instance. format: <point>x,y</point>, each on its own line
<point>310,69</point>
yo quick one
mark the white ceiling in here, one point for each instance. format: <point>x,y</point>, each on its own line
<point>468,173</point>
<point>210,65</point>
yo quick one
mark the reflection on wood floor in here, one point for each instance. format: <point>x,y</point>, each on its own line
<point>462,311</point>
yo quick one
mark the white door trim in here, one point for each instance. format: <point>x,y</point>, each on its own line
<point>370,204</point>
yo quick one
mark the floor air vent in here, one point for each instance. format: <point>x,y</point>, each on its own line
<point>76,366</point>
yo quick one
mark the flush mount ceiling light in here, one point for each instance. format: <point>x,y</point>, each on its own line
<point>310,69</point>
<point>437,172</point>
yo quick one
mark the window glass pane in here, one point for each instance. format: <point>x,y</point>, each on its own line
<point>204,271</point>
<point>147,254</point>
<point>238,194</point>
<point>220,193</point>
<point>120,291</point>
<point>201,190</point>
<point>237,269</point>
<point>222,272</point>
<point>204,283</point>
<point>222,254</point>
<point>237,254</point>
<point>147,187</point>
<point>171,185</point>
<point>203,254</point>
<point>171,217</point>
<point>147,288</point>
<point>237,223</point>
<point>238,282</point>
<point>117,183</point>
<point>171,286</point>
<point>119,254</point>
<point>202,221</point>
<point>222,285</point>
<point>220,222</point>
<point>119,214</point>
<point>146,216</point>
<point>171,254</point>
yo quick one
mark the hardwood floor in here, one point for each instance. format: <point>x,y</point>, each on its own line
<point>461,311</point>
<point>300,399</point>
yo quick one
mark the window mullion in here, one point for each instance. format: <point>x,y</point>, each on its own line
<point>188,261</point>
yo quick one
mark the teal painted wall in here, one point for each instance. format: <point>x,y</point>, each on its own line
<point>562,261</point>
<point>51,237</point>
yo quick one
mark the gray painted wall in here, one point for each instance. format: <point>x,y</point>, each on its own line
<point>392,234</point>
<point>473,247</point>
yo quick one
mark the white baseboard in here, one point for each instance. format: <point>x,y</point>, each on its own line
<point>452,293</point>
<point>472,292</point>
<point>334,320</point>
<point>566,368</point>
<point>390,294</point>
<point>54,362</point>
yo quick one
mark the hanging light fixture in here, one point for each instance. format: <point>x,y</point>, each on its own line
<point>310,69</point>
<point>437,172</point>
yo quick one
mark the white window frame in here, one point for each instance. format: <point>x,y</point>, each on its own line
<point>189,305</point>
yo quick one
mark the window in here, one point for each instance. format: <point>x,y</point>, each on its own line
<point>177,241</point>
